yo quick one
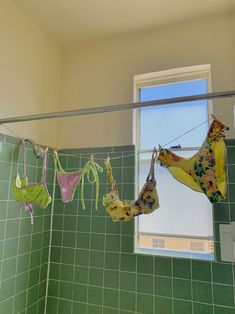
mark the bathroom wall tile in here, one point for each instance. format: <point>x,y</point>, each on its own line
<point>108,278</point>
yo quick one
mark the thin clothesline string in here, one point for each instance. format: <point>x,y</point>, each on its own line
<point>81,155</point>
<point>143,152</point>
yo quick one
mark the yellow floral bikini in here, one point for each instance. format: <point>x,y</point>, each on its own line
<point>146,203</point>
<point>203,172</point>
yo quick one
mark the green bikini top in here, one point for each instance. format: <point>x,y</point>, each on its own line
<point>30,194</point>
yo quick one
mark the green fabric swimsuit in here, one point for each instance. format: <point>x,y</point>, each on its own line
<point>30,194</point>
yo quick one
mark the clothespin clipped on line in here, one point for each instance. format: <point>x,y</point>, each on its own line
<point>92,157</point>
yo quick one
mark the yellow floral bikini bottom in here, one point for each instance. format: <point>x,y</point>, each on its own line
<point>203,172</point>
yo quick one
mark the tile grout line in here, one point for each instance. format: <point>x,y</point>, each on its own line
<point>5,226</point>
<point>75,248</point>
<point>104,255</point>
<point>50,243</point>
<point>31,242</point>
<point>61,250</point>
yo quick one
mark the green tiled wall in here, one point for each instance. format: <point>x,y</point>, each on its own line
<point>93,269</point>
<point>23,248</point>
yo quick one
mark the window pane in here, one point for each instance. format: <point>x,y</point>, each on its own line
<point>183,225</point>
<point>161,124</point>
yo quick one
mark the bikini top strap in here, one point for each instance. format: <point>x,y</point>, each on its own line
<point>23,152</point>
<point>151,170</point>
<point>44,167</point>
<point>110,176</point>
<point>57,163</point>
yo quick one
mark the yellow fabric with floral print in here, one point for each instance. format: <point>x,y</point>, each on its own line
<point>203,172</point>
<point>146,203</point>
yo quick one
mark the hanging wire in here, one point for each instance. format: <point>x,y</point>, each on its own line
<point>11,131</point>
<point>83,155</point>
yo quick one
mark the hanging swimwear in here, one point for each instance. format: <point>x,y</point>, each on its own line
<point>69,180</point>
<point>203,172</point>
<point>30,194</point>
<point>146,203</point>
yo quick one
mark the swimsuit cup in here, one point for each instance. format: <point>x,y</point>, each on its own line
<point>69,180</point>
<point>203,172</point>
<point>31,194</point>
<point>146,203</point>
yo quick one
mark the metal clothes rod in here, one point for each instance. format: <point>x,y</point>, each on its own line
<point>86,111</point>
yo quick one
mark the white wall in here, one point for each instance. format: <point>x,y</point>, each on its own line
<point>102,73</point>
<point>30,71</point>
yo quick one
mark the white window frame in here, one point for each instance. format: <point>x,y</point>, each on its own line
<point>157,78</point>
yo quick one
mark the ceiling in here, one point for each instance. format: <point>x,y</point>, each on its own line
<point>73,22</point>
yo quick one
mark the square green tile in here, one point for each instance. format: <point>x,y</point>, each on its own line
<point>83,224</point>
<point>95,276</point>
<point>182,307</point>
<point>66,290</point>
<point>9,268</point>
<point>83,240</point>
<point>223,295</point>
<point>127,281</point>
<point>96,259</point>
<point>163,286</point>
<point>145,283</point>
<point>202,292</point>
<point>163,266</point>
<point>80,293</point>
<point>10,248</point>
<point>221,212</point>
<point>97,241</point>
<point>79,308</point>
<point>182,268</point>
<point>81,274</point>
<point>182,289</point>
<point>127,301</point>
<point>128,262</point>
<point>98,224</point>
<point>95,295</point>
<point>66,272</point>
<point>108,310</point>
<point>34,276</point>
<point>20,302</point>
<point>94,309</point>
<point>223,310</point>
<point>57,238</point>
<point>145,303</point>
<point>163,305</point>
<point>53,289</point>
<point>69,239</point>
<point>111,279</point>
<point>70,223</point>
<point>111,227</point>
<point>201,270</point>
<point>113,243</point>
<point>222,273</point>
<point>111,298</point>
<point>112,260</point>
<point>127,244</point>
<point>199,308</point>
<point>145,264</point>
<point>64,306</point>
<point>67,256</point>
<point>82,257</point>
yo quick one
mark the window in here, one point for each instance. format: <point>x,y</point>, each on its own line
<point>183,225</point>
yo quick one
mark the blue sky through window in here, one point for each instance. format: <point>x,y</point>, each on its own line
<point>161,124</point>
